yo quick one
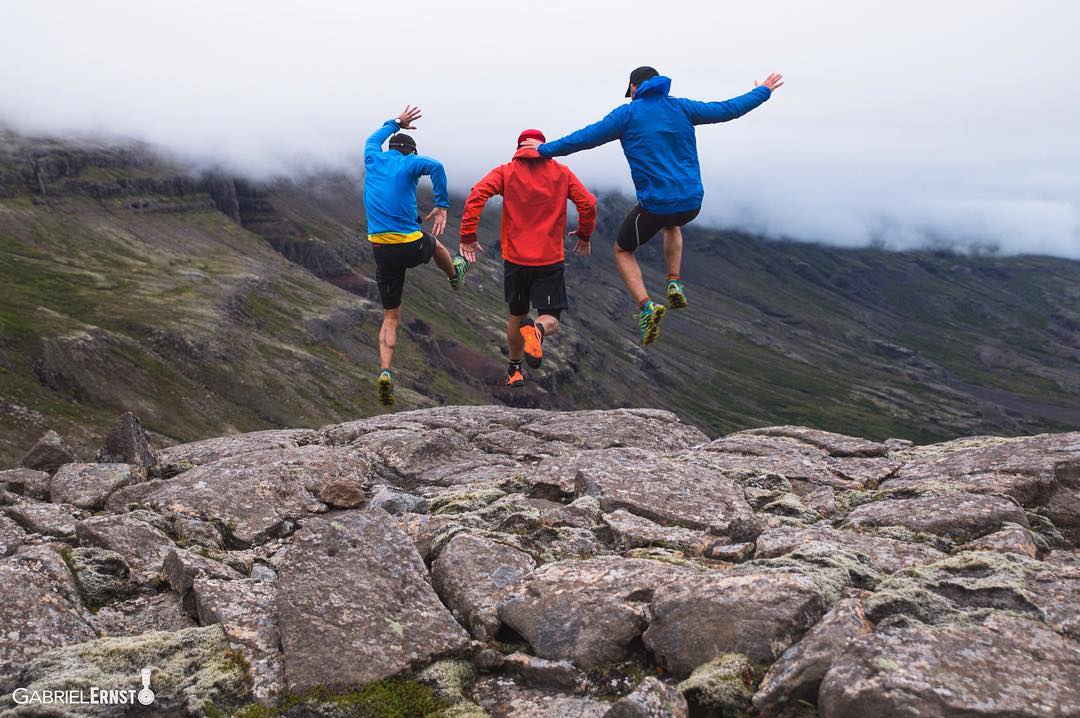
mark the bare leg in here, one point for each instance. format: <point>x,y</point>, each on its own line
<point>550,324</point>
<point>630,272</point>
<point>673,250</point>
<point>514,341</point>
<point>388,336</point>
<point>443,260</point>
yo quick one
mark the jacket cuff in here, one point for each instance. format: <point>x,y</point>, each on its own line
<point>583,237</point>
<point>468,238</point>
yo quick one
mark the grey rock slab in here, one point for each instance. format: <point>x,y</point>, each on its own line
<point>667,491</point>
<point>247,610</point>
<point>888,554</point>
<point>586,611</point>
<point>651,429</point>
<point>797,674</point>
<point>354,593</point>
<point>958,516</point>
<point>30,482</point>
<point>1011,539</point>
<point>181,568</point>
<point>49,453</point>
<point>251,496</point>
<point>832,443</point>
<point>57,520</point>
<point>12,536</point>
<point>87,486</point>
<point>631,531</point>
<point>471,575</point>
<point>183,457</point>
<point>142,546</point>
<point>39,609</point>
<point>1003,666</point>
<point>758,615</point>
<point>142,614</point>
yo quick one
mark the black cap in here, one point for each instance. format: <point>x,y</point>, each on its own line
<point>639,76</point>
<point>403,143</point>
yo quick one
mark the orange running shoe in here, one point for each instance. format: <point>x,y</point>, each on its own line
<point>515,380</point>
<point>534,348</point>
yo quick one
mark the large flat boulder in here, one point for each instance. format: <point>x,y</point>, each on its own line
<point>56,520</point>
<point>39,609</point>
<point>667,491</point>
<point>86,486</point>
<point>958,516</point>
<point>651,429</point>
<point>587,611</point>
<point>834,444</point>
<point>251,496</point>
<point>888,554</point>
<point>184,457</point>
<point>471,575</point>
<point>354,594</point>
<point>1004,666</point>
<point>29,482</point>
<point>758,615</point>
<point>247,610</point>
<point>142,546</point>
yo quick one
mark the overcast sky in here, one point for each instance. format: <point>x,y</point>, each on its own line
<point>902,123</point>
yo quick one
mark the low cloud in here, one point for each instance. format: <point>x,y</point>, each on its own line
<point>908,126</point>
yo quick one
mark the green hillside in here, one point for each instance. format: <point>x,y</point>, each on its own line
<point>210,305</point>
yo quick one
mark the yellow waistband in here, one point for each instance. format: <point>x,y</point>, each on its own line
<point>395,237</point>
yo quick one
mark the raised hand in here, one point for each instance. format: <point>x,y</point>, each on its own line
<point>530,143</point>
<point>773,81</point>
<point>408,116</point>
<point>439,213</point>
<point>469,250</point>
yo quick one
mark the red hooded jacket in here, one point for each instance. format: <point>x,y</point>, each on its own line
<point>534,191</point>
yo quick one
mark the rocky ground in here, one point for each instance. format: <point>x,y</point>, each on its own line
<point>485,561</point>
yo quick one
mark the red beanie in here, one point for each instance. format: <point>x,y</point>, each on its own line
<point>531,135</point>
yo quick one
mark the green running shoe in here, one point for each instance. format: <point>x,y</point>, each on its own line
<point>649,322</point>
<point>386,387</point>
<point>676,295</point>
<point>461,266</point>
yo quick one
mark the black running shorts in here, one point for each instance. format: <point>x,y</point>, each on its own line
<point>542,287</point>
<point>391,261</point>
<point>641,225</point>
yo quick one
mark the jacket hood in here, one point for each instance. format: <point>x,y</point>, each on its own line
<point>527,153</point>
<point>658,86</point>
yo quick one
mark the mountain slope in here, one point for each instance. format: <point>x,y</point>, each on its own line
<point>209,304</point>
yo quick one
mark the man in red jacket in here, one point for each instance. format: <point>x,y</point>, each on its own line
<point>534,191</point>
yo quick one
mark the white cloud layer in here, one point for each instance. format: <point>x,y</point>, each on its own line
<point>903,124</point>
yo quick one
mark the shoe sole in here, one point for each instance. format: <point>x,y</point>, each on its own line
<point>677,301</point>
<point>386,392</point>
<point>653,330</point>
<point>533,360</point>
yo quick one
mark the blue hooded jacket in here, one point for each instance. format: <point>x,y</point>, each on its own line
<point>390,184</point>
<point>657,136</point>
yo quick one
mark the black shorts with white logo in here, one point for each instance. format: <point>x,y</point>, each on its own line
<point>542,287</point>
<point>391,261</point>
<point>641,225</point>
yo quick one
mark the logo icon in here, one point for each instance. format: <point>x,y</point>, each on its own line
<point>146,696</point>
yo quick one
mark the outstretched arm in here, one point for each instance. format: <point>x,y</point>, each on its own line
<point>599,133</point>
<point>434,169</point>
<point>701,113</point>
<point>585,203</point>
<point>485,189</point>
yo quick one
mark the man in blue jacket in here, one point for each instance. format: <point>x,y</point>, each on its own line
<point>657,136</point>
<point>397,240</point>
